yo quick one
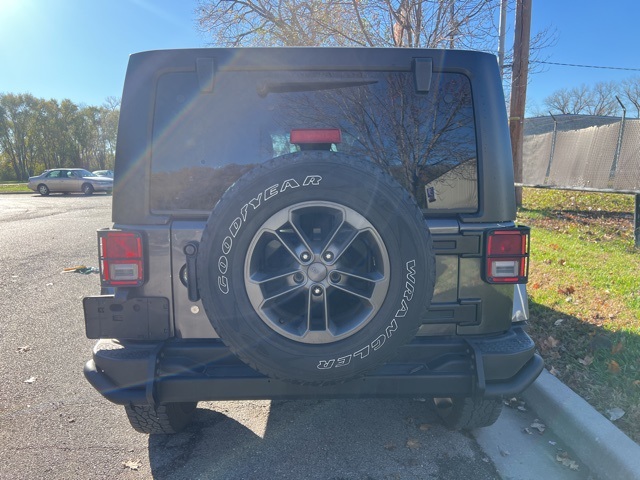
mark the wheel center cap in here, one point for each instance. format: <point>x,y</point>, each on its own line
<point>317,272</point>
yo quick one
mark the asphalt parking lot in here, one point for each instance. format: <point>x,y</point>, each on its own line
<point>54,425</point>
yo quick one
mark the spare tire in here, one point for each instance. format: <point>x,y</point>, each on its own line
<point>316,267</point>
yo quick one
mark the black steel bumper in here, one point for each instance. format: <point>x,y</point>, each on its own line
<point>181,371</point>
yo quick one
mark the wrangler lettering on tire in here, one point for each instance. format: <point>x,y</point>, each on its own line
<point>313,277</point>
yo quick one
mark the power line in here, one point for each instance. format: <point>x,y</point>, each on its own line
<point>588,66</point>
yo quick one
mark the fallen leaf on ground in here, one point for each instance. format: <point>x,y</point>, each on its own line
<point>566,291</point>
<point>424,427</point>
<point>132,464</point>
<point>558,322</point>
<point>586,361</point>
<point>540,427</point>
<point>615,413</point>
<point>617,348</point>
<point>24,349</point>
<point>513,402</point>
<point>563,458</point>
<point>613,366</point>
<point>553,371</point>
<point>390,447</point>
<point>636,383</point>
<point>413,444</point>
<point>30,380</point>
<point>567,462</point>
<point>551,342</point>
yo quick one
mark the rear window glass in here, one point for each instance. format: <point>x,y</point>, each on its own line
<point>203,142</point>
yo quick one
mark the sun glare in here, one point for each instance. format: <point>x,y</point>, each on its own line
<point>8,9</point>
<point>8,5</point>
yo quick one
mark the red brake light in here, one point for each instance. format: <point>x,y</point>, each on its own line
<point>315,135</point>
<point>121,258</point>
<point>507,256</point>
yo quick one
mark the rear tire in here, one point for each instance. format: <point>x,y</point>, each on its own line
<point>468,413</point>
<point>312,281</point>
<point>162,419</point>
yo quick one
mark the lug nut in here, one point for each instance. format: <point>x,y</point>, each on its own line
<point>317,290</point>
<point>335,277</point>
<point>328,256</point>
<point>298,277</point>
<point>305,256</point>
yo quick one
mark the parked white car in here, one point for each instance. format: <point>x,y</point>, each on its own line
<point>104,173</point>
<point>69,180</point>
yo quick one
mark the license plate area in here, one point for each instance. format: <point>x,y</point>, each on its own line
<point>145,318</point>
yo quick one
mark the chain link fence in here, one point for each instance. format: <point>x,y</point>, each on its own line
<point>580,152</point>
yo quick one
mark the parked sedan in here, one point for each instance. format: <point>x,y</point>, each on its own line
<point>68,180</point>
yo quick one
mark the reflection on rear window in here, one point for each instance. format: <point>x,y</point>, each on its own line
<point>202,143</point>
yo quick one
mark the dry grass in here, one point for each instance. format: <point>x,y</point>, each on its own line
<point>585,292</point>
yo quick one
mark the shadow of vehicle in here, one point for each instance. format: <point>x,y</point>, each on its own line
<point>373,438</point>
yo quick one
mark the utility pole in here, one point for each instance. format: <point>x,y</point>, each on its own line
<point>454,29</point>
<point>519,79</point>
<point>502,34</point>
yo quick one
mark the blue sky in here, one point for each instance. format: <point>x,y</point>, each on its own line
<point>78,49</point>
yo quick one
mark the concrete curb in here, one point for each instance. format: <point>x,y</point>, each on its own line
<point>598,443</point>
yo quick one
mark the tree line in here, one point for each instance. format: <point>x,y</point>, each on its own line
<point>38,134</point>
<point>602,99</point>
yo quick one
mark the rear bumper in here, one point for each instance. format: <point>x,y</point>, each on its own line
<point>184,371</point>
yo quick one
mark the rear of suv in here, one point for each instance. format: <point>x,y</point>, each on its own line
<point>311,223</point>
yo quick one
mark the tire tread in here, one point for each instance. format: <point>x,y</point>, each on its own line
<point>162,419</point>
<point>472,413</point>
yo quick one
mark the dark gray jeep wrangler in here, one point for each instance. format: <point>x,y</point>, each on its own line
<point>311,223</point>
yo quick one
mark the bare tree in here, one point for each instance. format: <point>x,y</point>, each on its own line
<point>604,99</point>
<point>112,103</point>
<point>568,101</point>
<point>399,23</point>
<point>599,99</point>
<point>630,90</point>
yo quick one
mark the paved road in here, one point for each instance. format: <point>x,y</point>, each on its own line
<point>54,425</point>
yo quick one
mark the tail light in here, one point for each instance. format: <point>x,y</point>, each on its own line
<point>301,136</point>
<point>121,258</point>
<point>507,256</point>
